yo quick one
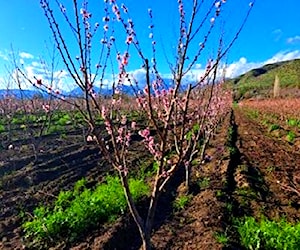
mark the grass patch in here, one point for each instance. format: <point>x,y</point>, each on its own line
<point>76,211</point>
<point>268,234</point>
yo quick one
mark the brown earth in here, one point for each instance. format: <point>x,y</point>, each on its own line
<point>253,174</point>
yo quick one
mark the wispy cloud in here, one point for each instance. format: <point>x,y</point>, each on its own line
<point>4,56</point>
<point>26,55</point>
<point>277,34</point>
<point>292,40</point>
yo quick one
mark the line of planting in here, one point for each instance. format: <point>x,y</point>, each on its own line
<point>289,127</point>
<point>77,211</point>
<point>243,230</point>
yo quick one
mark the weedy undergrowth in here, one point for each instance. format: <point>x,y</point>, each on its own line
<point>76,211</point>
<point>268,234</point>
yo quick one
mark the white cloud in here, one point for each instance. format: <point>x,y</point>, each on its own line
<point>26,55</point>
<point>4,56</point>
<point>242,66</point>
<point>283,56</point>
<point>295,39</point>
<point>36,64</point>
<point>237,68</point>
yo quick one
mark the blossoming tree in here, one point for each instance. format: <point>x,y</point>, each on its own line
<point>180,118</point>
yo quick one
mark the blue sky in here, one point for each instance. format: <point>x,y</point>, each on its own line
<point>271,34</point>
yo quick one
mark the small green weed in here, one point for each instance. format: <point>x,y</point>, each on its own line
<point>271,169</point>
<point>181,202</point>
<point>222,238</point>
<point>220,194</point>
<point>290,137</point>
<point>292,122</point>
<point>204,182</point>
<point>273,127</point>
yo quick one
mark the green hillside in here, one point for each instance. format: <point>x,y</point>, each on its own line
<point>260,81</point>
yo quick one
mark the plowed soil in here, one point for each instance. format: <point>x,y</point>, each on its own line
<point>250,173</point>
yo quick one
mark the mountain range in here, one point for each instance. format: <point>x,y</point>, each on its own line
<point>256,82</point>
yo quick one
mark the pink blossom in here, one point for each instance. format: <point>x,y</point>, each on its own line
<point>218,4</point>
<point>85,13</point>
<point>89,138</point>
<point>129,39</point>
<point>145,133</point>
<point>133,125</point>
<point>46,108</point>
<point>124,61</point>
<point>105,19</point>
<point>105,27</point>
<point>103,112</point>
<point>146,90</point>
<point>108,127</point>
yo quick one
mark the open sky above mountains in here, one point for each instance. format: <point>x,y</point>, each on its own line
<point>271,34</point>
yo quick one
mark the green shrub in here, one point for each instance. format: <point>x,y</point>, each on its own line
<point>268,234</point>
<point>76,211</point>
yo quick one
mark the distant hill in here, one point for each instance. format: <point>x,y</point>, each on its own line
<point>259,82</point>
<point>26,93</point>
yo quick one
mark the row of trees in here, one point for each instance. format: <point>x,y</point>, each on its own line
<point>183,117</point>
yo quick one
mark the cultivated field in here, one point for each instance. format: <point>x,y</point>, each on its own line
<point>250,173</point>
